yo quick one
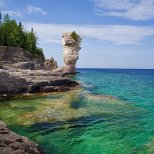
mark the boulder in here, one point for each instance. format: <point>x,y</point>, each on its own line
<point>11,84</point>
<point>11,143</point>
<point>50,64</point>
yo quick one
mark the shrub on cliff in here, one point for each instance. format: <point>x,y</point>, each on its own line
<point>74,36</point>
<point>14,35</point>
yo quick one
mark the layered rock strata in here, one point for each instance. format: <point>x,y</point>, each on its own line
<point>18,57</point>
<point>37,81</point>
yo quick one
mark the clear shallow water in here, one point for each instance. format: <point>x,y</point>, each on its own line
<point>113,113</point>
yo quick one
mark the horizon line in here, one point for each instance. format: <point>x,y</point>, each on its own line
<point>116,68</point>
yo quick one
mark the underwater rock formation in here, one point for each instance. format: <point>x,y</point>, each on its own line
<point>71,46</point>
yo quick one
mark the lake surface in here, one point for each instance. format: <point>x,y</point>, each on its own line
<point>112,113</point>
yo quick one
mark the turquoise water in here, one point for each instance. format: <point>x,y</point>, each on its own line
<point>112,113</point>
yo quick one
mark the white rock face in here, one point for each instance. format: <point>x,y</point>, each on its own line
<point>71,46</point>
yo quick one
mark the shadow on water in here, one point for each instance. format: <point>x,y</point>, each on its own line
<point>74,123</point>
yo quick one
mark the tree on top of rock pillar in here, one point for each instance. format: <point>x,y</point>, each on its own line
<point>71,47</point>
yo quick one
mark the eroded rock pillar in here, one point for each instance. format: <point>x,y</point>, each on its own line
<point>71,47</point>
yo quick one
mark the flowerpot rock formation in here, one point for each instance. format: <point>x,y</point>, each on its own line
<point>71,45</point>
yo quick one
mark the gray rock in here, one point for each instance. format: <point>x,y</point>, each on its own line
<point>50,84</point>
<point>11,143</point>
<point>36,81</point>
<point>25,65</point>
<point>11,84</point>
<point>50,64</point>
<point>11,55</point>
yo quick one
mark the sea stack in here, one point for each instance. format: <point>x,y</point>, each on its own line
<point>71,46</point>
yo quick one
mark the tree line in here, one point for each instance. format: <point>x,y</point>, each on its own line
<point>13,34</point>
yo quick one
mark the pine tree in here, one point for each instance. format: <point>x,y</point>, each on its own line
<point>13,34</point>
<point>22,35</point>
<point>6,18</point>
<point>31,41</point>
<point>1,35</point>
<point>0,17</point>
<point>1,32</point>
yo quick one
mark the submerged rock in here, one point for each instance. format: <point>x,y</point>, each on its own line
<point>11,143</point>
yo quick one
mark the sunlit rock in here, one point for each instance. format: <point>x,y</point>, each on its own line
<point>71,46</point>
<point>50,64</point>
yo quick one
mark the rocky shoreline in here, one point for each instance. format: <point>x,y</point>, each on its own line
<point>12,143</point>
<point>21,72</point>
<point>37,81</point>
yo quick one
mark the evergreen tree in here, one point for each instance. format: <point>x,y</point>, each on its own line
<point>1,32</point>
<point>1,35</point>
<point>6,18</point>
<point>0,17</point>
<point>13,34</point>
<point>31,41</point>
<point>22,36</point>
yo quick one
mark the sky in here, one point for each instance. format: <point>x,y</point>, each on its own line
<point>115,33</point>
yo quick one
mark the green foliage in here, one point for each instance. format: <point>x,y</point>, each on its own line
<point>14,35</point>
<point>74,36</point>
<point>39,51</point>
<point>0,17</point>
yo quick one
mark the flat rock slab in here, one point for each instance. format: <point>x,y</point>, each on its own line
<point>20,82</point>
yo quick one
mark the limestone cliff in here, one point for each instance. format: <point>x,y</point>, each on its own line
<point>71,46</point>
<point>20,58</point>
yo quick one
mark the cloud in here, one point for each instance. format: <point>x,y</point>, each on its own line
<point>129,9</point>
<point>117,34</point>
<point>20,13</point>
<point>2,2</point>
<point>33,9</point>
<point>13,13</point>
